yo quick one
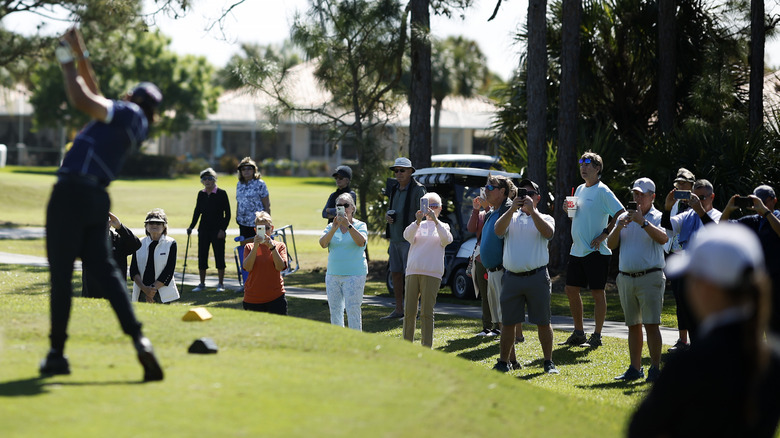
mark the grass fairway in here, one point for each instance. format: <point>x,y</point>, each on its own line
<point>273,376</point>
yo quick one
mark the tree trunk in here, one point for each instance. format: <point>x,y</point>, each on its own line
<point>667,67</point>
<point>436,114</point>
<point>567,127</point>
<point>420,90</point>
<point>537,97</point>
<point>757,39</point>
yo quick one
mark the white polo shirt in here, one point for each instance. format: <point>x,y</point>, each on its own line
<point>638,251</point>
<point>524,246</point>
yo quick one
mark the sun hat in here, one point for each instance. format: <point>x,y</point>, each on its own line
<point>644,185</point>
<point>402,162</point>
<point>719,253</point>
<point>156,215</point>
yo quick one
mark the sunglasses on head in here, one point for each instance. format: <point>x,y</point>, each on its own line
<point>585,161</point>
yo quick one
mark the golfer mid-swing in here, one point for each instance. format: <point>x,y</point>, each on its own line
<point>79,204</point>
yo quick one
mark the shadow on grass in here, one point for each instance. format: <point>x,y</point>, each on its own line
<point>23,387</point>
<point>629,388</point>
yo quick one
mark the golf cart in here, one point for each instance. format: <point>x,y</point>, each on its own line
<point>457,186</point>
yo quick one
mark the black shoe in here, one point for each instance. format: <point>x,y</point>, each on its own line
<point>652,374</point>
<point>595,340</point>
<point>152,370</point>
<point>502,366</point>
<point>631,374</point>
<point>549,367</point>
<point>679,346</point>
<point>515,365</point>
<point>54,363</point>
<point>576,338</point>
<point>519,339</point>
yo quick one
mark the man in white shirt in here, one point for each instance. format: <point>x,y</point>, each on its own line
<point>641,281</point>
<point>685,225</point>
<point>526,233</point>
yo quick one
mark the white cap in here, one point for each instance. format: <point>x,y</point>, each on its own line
<point>644,185</point>
<point>719,253</point>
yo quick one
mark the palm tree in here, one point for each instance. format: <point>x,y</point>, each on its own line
<point>537,96</point>
<point>459,69</point>
<point>757,38</point>
<point>667,49</point>
<point>420,93</point>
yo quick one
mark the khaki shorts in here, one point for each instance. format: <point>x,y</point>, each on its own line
<point>642,298</point>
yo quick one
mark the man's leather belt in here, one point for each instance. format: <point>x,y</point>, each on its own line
<point>497,268</point>
<point>640,273</point>
<point>526,273</point>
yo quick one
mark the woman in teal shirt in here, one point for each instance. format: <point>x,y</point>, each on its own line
<point>345,278</point>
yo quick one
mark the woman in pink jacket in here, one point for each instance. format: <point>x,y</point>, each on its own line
<point>425,267</point>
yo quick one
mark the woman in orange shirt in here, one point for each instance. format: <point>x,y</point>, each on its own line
<point>265,259</point>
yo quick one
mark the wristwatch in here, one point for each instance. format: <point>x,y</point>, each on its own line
<point>645,223</point>
<point>349,227</point>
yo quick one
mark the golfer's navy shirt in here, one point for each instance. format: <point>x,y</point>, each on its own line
<point>100,148</point>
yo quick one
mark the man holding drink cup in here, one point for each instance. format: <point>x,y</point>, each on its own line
<point>589,256</point>
<point>404,200</point>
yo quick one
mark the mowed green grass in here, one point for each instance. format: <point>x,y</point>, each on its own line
<point>283,376</point>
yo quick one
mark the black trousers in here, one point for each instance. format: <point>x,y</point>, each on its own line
<point>206,239</point>
<point>277,306</point>
<point>76,228</point>
<point>685,318</point>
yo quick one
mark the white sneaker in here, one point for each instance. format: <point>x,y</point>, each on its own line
<point>200,288</point>
<point>220,288</point>
<point>484,332</point>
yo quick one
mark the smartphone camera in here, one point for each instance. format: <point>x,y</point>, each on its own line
<point>522,193</point>
<point>341,210</point>
<point>632,206</point>
<point>682,194</point>
<point>424,205</point>
<point>743,202</point>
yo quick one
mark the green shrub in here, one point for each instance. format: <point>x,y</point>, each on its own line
<point>149,166</point>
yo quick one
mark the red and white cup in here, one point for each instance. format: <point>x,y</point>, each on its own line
<point>571,205</point>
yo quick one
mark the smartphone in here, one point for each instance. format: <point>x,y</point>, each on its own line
<point>631,205</point>
<point>482,193</point>
<point>341,211</point>
<point>743,202</point>
<point>424,205</point>
<point>261,230</point>
<point>682,194</point>
<point>522,193</point>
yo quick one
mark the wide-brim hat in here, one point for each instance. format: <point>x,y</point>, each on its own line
<point>402,162</point>
<point>684,175</point>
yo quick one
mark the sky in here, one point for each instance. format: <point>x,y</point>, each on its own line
<point>268,22</point>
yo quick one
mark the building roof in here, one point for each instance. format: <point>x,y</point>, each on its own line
<point>15,101</point>
<point>247,105</point>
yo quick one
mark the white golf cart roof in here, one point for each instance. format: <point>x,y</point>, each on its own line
<point>443,175</point>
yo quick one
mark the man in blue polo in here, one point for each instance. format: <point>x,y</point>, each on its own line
<point>79,204</point>
<point>640,281</point>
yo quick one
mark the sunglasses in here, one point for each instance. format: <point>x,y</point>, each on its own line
<point>207,178</point>
<point>586,161</point>
<point>531,193</point>
<point>490,187</point>
<point>247,168</point>
<point>434,205</point>
<point>401,170</point>
<point>343,205</point>
<point>338,178</point>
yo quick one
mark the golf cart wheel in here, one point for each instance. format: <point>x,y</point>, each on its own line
<point>462,285</point>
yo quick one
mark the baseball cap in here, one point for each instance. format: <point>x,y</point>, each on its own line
<point>764,192</point>
<point>685,175</point>
<point>528,182</point>
<point>344,171</point>
<point>719,253</point>
<point>402,162</point>
<point>146,95</point>
<point>644,185</point>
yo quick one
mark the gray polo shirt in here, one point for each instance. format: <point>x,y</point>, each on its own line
<point>638,251</point>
